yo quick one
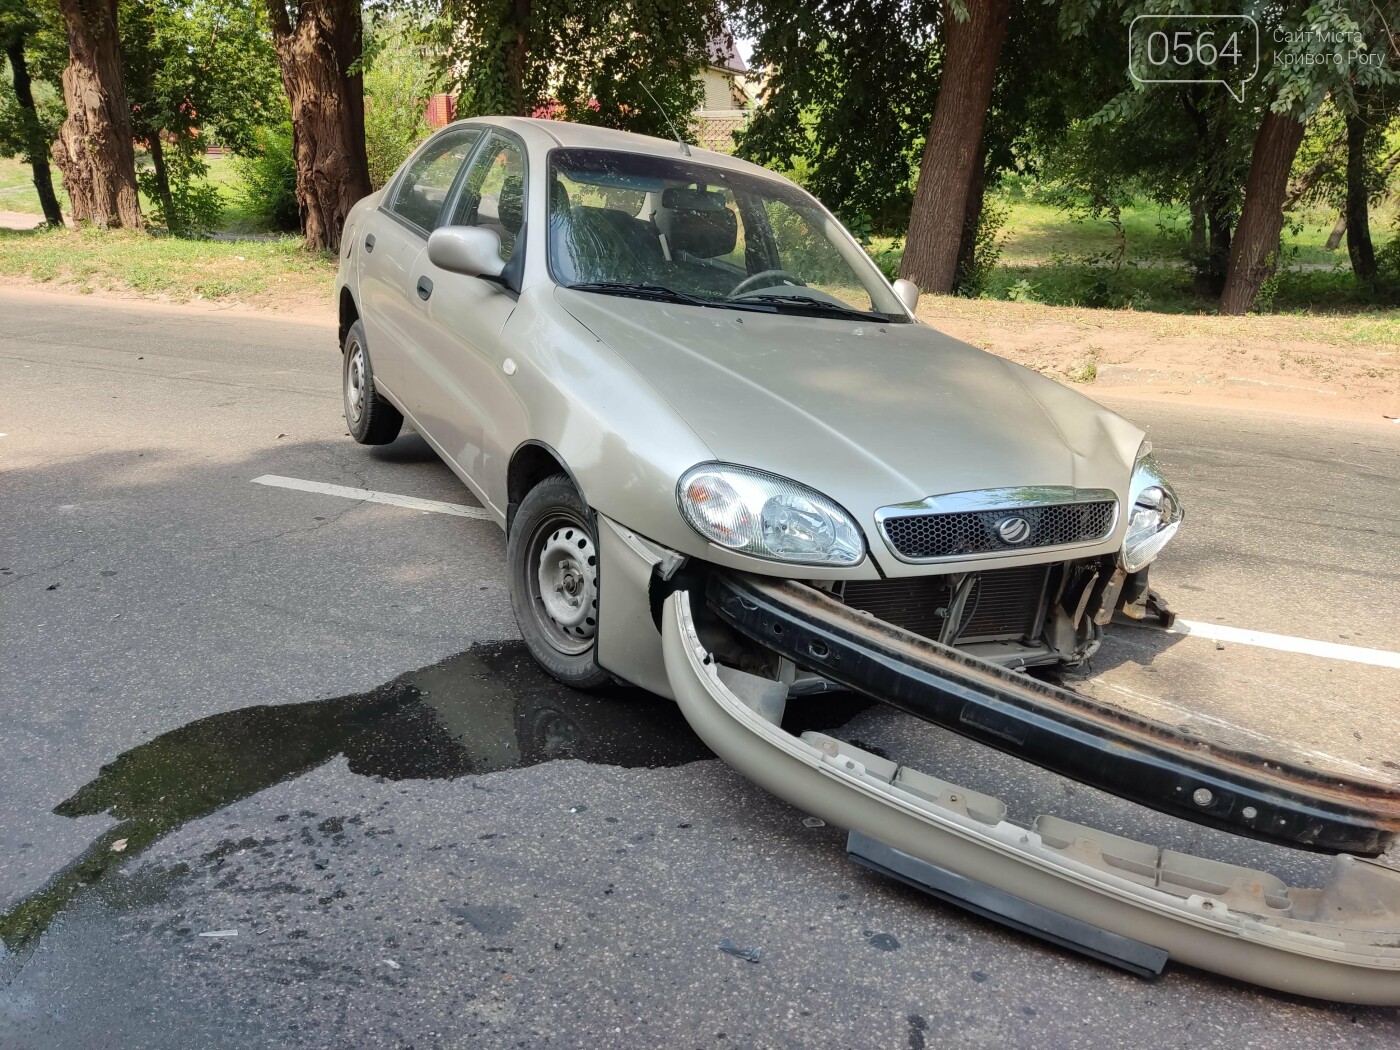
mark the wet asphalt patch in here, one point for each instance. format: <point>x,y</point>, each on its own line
<point>482,711</point>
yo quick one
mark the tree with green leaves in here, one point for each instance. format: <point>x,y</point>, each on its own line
<point>630,64</point>
<point>850,92</point>
<point>33,43</point>
<point>1314,51</point>
<point>401,74</point>
<point>851,99</point>
<point>195,68</point>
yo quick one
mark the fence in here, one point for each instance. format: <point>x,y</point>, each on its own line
<point>715,128</point>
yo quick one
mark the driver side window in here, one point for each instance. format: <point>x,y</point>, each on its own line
<point>420,194</point>
<point>493,193</point>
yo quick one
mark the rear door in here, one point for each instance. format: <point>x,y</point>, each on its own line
<point>392,239</point>
<point>458,375</point>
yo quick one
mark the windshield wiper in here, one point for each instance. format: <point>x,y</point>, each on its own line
<point>658,292</point>
<point>802,302</point>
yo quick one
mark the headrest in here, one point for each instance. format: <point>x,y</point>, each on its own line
<point>697,222</point>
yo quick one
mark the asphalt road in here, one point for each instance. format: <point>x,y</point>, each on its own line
<point>198,738</point>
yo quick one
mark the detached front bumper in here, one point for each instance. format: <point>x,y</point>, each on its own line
<point>1339,942</point>
<point>1104,747</point>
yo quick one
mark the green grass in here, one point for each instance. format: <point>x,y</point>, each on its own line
<point>17,191</point>
<point>17,188</point>
<point>1048,258</point>
<point>1037,232</point>
<point>273,272</point>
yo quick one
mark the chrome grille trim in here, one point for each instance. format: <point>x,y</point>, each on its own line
<point>963,525</point>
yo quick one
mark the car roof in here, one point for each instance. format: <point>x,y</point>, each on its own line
<point>589,136</point>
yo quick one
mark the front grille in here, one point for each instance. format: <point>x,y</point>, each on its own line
<point>919,536</point>
<point>1004,604</point>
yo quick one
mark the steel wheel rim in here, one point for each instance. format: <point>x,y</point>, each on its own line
<point>355,384</point>
<point>561,567</point>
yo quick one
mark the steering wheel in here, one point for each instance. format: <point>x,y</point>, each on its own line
<point>763,279</point>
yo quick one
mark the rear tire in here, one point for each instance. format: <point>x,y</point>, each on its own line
<point>552,559</point>
<point>370,416</point>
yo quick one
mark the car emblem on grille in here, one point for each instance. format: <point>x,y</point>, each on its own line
<point>1014,529</point>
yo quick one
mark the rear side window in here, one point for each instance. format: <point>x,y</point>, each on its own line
<point>493,195</point>
<point>420,194</point>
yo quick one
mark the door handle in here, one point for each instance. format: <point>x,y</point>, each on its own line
<point>425,288</point>
<point>369,242</point>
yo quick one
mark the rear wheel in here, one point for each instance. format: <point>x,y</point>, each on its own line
<point>371,418</point>
<point>553,562</point>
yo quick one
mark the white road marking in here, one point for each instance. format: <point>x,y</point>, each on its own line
<point>433,506</point>
<point>1287,643</point>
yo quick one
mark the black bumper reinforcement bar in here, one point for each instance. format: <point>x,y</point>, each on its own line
<point>1107,748</point>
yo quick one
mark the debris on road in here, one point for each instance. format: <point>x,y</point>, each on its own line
<point>747,954</point>
<point>813,822</point>
<point>219,933</point>
<point>119,845</point>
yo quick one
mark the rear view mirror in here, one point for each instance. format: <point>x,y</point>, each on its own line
<point>471,250</point>
<point>907,291</point>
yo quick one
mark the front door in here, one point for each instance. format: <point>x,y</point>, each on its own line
<point>459,353</point>
<point>392,239</point>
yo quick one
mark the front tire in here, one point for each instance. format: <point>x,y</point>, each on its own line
<point>371,418</point>
<point>552,559</point>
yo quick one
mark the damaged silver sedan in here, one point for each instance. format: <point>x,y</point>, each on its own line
<point>735,470</point>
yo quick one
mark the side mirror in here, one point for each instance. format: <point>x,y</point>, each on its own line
<point>471,250</point>
<point>907,291</point>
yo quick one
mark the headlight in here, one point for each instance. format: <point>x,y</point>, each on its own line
<point>1154,514</point>
<point>767,516</point>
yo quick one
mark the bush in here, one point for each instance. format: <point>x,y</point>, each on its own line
<point>399,79</point>
<point>269,177</point>
<point>196,208</point>
<point>974,272</point>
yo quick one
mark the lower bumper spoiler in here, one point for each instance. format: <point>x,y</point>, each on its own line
<point>1143,761</point>
<point>1339,942</point>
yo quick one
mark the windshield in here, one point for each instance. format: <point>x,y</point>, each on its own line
<point>667,228</point>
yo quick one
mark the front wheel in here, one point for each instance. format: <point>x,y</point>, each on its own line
<point>552,558</point>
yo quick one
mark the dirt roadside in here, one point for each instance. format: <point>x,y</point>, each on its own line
<point>1345,367</point>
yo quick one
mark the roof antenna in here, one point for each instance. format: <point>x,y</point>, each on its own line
<point>685,149</point>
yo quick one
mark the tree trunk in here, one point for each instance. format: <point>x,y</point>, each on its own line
<point>1220,222</point>
<point>972,217</point>
<point>1253,251</point>
<point>970,54</point>
<point>517,54</point>
<point>1358,214</point>
<point>35,146</point>
<point>319,47</point>
<point>94,149</point>
<point>1199,226</point>
<point>167,203</point>
<point>1339,229</point>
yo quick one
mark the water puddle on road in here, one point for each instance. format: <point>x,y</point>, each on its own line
<point>485,710</point>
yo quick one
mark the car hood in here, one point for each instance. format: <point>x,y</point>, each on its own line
<point>869,413</point>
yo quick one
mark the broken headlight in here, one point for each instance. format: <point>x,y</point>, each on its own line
<point>1154,512</point>
<point>767,516</point>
